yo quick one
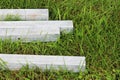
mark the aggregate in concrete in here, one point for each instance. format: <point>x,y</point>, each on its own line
<point>25,14</point>
<point>17,61</point>
<point>65,25</point>
<point>30,33</point>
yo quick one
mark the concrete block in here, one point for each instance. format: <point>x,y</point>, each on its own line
<point>66,26</point>
<point>30,33</point>
<point>71,63</point>
<point>25,14</point>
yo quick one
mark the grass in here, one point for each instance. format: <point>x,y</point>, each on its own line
<point>95,36</point>
<point>10,17</point>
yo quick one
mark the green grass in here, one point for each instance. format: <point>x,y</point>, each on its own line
<point>10,17</point>
<point>96,36</point>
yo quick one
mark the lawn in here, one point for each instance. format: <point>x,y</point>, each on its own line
<point>96,36</point>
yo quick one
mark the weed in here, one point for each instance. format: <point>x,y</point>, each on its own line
<point>95,36</point>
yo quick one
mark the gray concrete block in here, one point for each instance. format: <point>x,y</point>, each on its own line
<point>66,26</point>
<point>71,63</point>
<point>30,33</point>
<point>25,14</point>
